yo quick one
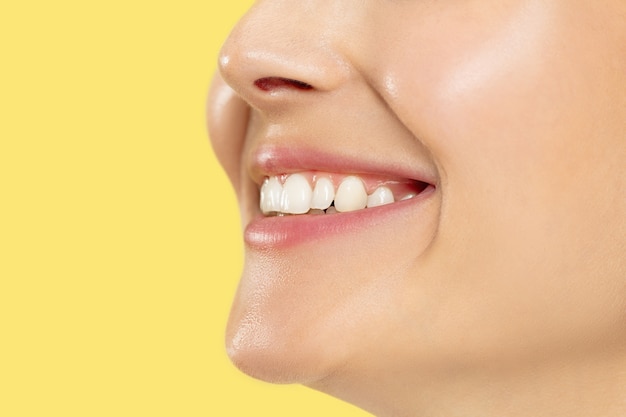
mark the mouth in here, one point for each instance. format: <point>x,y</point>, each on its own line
<point>301,200</point>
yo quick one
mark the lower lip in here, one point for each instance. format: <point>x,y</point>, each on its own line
<point>286,231</point>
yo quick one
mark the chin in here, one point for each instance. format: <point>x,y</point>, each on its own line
<point>270,351</point>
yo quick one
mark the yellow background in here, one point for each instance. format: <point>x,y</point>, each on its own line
<point>119,237</point>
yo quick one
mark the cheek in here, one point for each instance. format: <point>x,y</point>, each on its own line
<point>510,108</point>
<point>490,95</point>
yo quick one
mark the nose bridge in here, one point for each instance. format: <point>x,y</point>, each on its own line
<point>294,42</point>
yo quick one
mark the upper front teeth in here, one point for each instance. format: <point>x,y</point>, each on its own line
<point>351,195</point>
<point>295,196</point>
<point>323,194</point>
<point>271,195</point>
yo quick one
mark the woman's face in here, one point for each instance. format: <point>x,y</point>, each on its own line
<point>506,118</point>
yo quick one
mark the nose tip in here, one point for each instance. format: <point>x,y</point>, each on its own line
<point>275,52</point>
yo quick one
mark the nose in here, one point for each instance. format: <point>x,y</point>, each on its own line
<point>283,50</point>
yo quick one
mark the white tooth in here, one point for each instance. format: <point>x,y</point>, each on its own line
<point>297,193</point>
<point>351,195</point>
<point>408,196</point>
<point>323,194</point>
<point>271,193</point>
<point>380,197</point>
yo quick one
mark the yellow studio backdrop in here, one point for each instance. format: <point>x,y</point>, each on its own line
<point>120,242</point>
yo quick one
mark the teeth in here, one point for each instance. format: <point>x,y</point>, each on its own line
<point>296,197</point>
<point>380,197</point>
<point>323,194</point>
<point>271,193</point>
<point>351,195</point>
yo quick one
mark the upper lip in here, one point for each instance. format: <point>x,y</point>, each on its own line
<point>269,160</point>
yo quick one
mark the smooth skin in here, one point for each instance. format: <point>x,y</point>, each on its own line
<point>505,293</point>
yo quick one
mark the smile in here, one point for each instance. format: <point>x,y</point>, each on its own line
<point>304,195</point>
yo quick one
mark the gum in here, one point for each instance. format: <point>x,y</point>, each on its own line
<point>400,187</point>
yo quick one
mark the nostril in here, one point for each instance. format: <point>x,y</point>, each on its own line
<point>274,83</point>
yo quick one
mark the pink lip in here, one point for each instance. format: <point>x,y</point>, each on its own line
<point>274,160</point>
<point>286,231</point>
